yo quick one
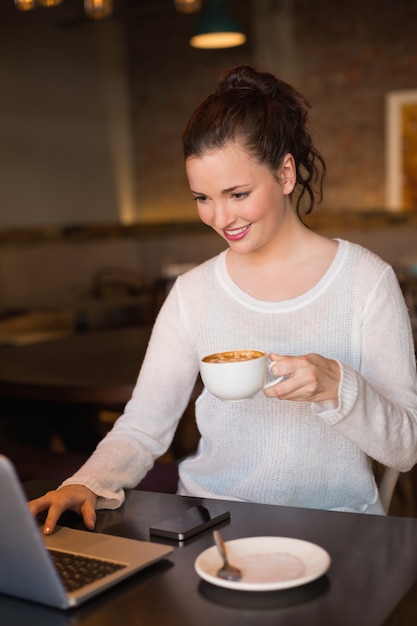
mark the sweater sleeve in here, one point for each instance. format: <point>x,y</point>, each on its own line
<point>147,426</point>
<point>378,405</point>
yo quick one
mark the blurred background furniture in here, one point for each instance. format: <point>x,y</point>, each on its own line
<point>60,397</point>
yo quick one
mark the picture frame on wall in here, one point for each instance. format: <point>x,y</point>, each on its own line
<point>401,150</point>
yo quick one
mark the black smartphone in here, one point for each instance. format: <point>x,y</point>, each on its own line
<point>188,523</point>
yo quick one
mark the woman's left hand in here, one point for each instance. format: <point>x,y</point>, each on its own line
<point>309,378</point>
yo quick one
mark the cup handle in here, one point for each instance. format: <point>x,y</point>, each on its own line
<point>275,381</point>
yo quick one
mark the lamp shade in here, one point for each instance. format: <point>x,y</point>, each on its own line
<point>217,28</point>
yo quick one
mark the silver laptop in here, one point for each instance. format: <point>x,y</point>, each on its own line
<point>27,556</point>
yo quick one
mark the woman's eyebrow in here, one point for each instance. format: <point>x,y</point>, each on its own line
<point>223,191</point>
<point>229,189</point>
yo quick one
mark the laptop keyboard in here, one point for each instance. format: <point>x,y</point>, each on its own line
<point>76,571</point>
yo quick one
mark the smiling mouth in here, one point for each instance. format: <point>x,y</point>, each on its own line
<point>236,233</point>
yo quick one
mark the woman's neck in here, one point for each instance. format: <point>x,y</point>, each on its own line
<point>287,268</point>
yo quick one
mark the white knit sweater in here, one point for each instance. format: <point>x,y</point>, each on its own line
<point>270,450</point>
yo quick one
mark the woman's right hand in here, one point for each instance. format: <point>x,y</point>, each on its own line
<point>70,497</point>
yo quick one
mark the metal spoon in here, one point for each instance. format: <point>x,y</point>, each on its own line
<point>227,571</point>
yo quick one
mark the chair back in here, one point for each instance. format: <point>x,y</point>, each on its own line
<point>387,486</point>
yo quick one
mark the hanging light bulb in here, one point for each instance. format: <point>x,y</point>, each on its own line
<point>217,28</point>
<point>24,5</point>
<point>98,9</point>
<point>187,6</point>
<point>49,3</point>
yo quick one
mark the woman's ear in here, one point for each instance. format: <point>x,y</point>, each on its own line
<point>287,174</point>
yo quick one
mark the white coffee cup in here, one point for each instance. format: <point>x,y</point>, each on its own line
<point>236,375</point>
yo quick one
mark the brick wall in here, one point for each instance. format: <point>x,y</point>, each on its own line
<point>344,57</point>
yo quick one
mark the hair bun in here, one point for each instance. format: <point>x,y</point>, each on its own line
<point>246,77</point>
<point>242,76</point>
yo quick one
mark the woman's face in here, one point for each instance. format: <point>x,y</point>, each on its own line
<point>240,198</point>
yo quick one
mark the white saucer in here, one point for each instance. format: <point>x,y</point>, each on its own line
<point>283,563</point>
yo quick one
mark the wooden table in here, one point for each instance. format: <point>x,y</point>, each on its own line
<point>371,581</point>
<point>60,386</point>
<point>95,368</point>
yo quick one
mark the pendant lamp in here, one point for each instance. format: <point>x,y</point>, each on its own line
<point>25,5</point>
<point>217,28</point>
<point>187,6</point>
<point>49,3</point>
<point>98,9</point>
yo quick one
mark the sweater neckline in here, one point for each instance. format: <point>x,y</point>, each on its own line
<point>244,298</point>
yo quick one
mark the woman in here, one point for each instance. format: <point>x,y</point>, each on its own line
<point>329,313</point>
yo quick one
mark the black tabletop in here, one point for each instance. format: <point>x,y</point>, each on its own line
<point>370,581</point>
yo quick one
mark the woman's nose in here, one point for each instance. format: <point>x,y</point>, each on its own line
<point>222,217</point>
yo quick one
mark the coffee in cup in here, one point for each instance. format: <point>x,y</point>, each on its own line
<point>236,375</point>
<point>233,356</point>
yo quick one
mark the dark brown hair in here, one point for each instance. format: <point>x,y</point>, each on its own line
<point>269,117</point>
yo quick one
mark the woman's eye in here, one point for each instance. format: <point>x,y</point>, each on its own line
<point>239,195</point>
<point>200,198</point>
